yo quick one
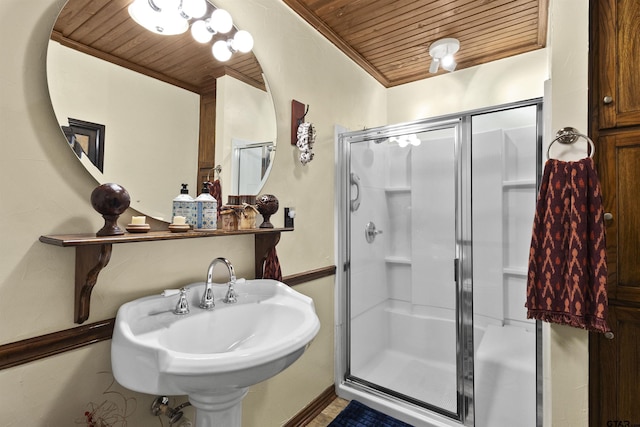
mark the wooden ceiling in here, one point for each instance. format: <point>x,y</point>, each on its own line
<point>103,28</point>
<point>390,38</point>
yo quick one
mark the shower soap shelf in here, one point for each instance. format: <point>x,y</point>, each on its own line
<point>93,254</point>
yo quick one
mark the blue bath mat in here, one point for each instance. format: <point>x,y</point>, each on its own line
<point>357,414</point>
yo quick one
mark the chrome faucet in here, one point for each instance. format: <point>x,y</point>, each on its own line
<point>207,298</point>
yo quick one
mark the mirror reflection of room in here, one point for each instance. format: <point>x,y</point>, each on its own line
<point>192,116</point>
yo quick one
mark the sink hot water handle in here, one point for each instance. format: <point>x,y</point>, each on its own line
<point>182,307</point>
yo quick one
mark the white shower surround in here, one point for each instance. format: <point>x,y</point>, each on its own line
<point>399,322</point>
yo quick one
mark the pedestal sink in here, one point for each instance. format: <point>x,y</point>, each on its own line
<point>212,356</point>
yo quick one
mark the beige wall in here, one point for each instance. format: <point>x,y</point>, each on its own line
<point>94,90</point>
<point>566,349</point>
<point>242,112</point>
<point>44,190</point>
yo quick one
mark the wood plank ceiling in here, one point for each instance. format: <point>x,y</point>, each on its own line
<point>103,28</point>
<point>390,39</point>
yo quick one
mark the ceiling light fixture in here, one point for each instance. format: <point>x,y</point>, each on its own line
<point>159,16</point>
<point>171,17</point>
<point>442,52</point>
<point>220,21</point>
<point>192,9</point>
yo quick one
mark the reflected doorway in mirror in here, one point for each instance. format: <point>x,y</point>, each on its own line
<point>251,165</point>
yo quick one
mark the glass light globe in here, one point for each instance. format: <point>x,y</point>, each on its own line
<point>403,141</point>
<point>200,32</point>
<point>447,61</point>
<point>221,21</point>
<point>170,23</point>
<point>166,21</point>
<point>165,5</point>
<point>193,8</point>
<point>414,140</point>
<point>220,51</point>
<point>243,41</point>
<point>141,12</point>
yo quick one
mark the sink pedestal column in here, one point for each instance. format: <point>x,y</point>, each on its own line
<point>213,410</point>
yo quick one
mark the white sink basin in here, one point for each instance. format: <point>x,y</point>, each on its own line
<point>211,355</point>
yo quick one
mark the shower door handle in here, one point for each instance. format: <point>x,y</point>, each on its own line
<point>355,203</point>
<point>456,266</point>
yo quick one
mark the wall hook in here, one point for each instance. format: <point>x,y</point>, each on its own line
<point>217,169</point>
<point>301,119</point>
<point>298,113</point>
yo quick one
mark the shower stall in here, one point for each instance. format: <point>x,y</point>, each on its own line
<point>434,225</point>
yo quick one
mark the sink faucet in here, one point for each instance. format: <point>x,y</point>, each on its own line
<point>207,298</point>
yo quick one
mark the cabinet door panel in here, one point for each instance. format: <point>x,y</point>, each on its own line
<point>615,382</point>
<point>618,167</point>
<point>618,62</point>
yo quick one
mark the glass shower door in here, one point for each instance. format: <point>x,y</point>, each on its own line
<point>403,251</point>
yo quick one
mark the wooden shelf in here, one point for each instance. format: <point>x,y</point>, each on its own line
<point>93,254</point>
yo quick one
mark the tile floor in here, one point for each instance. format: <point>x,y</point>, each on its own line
<point>329,413</point>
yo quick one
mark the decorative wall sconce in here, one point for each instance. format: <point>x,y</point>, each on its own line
<point>442,52</point>
<point>171,17</point>
<point>303,134</point>
<point>306,139</point>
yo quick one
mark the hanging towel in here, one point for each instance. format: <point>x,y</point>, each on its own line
<point>216,192</point>
<point>272,266</point>
<point>567,275</point>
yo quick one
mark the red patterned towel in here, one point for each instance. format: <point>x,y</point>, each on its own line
<point>215,189</point>
<point>567,262</point>
<point>272,266</point>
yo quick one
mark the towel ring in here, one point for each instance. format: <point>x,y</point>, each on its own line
<point>570,135</point>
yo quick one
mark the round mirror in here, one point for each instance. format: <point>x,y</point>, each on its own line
<point>151,112</point>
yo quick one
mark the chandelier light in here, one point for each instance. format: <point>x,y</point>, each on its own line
<point>442,52</point>
<point>220,21</point>
<point>171,17</point>
<point>159,16</point>
<point>192,9</point>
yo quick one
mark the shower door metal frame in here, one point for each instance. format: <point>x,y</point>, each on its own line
<point>461,264</point>
<point>464,303</point>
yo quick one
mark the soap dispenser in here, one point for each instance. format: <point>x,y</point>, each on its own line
<point>206,210</point>
<point>185,205</point>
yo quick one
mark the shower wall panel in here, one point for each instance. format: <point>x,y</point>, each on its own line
<point>488,235</point>
<point>504,177</point>
<point>433,223</point>
<point>398,254</point>
<point>367,264</point>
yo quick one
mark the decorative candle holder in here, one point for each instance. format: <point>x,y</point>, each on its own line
<point>267,205</point>
<point>110,200</point>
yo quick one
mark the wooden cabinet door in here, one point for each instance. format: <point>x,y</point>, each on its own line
<point>615,371</point>
<point>617,52</point>
<point>619,171</point>
<point>207,143</point>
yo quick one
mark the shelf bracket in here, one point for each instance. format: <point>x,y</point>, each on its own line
<point>263,244</point>
<point>90,260</point>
